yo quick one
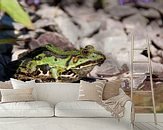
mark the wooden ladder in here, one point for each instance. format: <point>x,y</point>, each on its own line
<point>133,75</point>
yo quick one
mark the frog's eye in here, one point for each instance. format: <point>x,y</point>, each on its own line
<point>85,51</point>
<point>89,47</point>
<point>75,59</point>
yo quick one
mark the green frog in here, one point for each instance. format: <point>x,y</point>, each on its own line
<point>52,64</point>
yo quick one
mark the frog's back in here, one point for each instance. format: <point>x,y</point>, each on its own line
<point>49,50</point>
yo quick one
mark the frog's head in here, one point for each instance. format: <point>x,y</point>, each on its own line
<point>88,56</point>
<point>80,64</point>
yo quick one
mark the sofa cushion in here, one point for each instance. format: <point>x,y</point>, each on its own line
<point>18,84</point>
<point>80,109</point>
<point>5,85</point>
<point>111,89</point>
<point>16,95</point>
<point>91,91</point>
<point>26,109</point>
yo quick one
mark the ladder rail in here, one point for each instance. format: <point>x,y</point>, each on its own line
<point>131,67</point>
<point>151,81</point>
<point>132,82</point>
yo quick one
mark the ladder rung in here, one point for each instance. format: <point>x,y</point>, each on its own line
<point>140,62</point>
<point>140,91</point>
<point>137,74</point>
<point>142,49</point>
<point>143,107</point>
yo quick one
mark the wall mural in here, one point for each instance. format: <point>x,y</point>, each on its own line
<point>86,40</point>
<point>49,63</point>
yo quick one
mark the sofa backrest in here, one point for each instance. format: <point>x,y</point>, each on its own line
<point>57,92</point>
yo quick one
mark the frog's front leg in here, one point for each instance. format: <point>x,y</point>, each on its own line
<point>54,73</point>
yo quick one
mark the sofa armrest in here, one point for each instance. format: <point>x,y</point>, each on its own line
<point>128,112</point>
<point>126,120</point>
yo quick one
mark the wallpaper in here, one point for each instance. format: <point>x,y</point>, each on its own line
<point>87,40</point>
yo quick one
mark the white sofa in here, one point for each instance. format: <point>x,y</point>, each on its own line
<point>60,96</point>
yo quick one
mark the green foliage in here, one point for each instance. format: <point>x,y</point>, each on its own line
<point>14,10</point>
